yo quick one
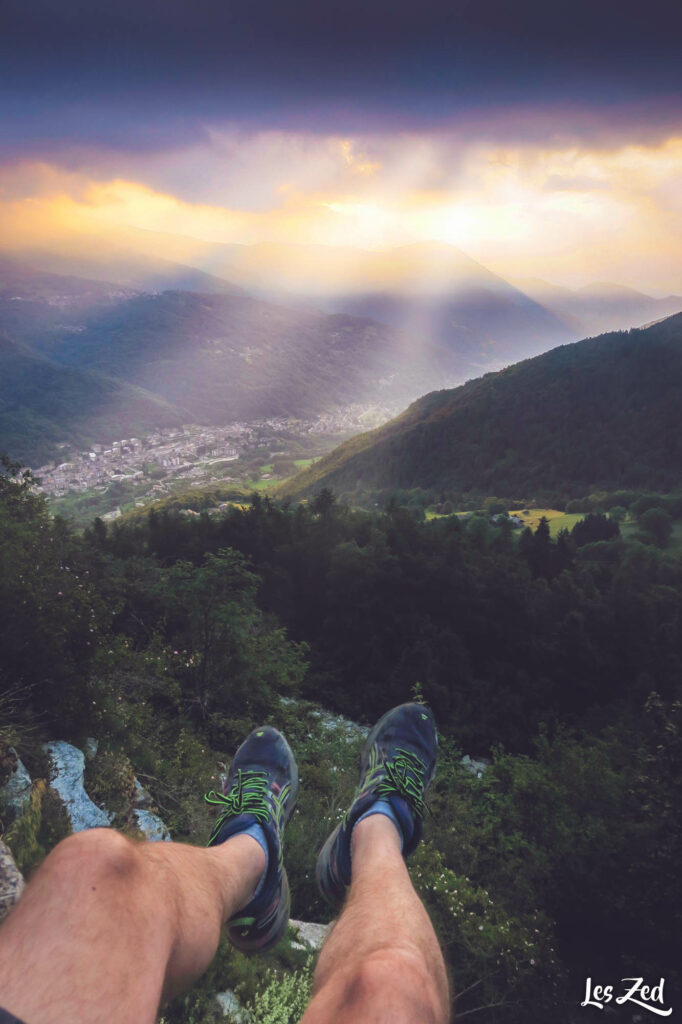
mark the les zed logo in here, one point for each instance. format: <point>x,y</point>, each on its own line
<point>638,993</point>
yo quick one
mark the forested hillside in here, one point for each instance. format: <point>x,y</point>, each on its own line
<point>228,357</point>
<point>600,414</point>
<point>44,405</point>
<point>168,638</point>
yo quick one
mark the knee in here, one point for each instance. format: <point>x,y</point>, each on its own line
<point>98,854</point>
<point>400,976</point>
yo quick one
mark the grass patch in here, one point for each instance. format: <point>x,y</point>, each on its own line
<point>565,522</point>
<point>430,514</point>
<point>260,485</point>
<point>557,520</point>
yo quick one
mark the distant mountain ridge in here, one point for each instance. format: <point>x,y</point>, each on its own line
<point>118,267</point>
<point>603,413</point>
<point>35,303</point>
<point>601,306</point>
<point>217,355</point>
<point>430,287</point>
<point>432,291</point>
<point>437,291</point>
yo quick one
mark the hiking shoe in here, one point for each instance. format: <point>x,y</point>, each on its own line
<point>398,764</point>
<point>261,787</point>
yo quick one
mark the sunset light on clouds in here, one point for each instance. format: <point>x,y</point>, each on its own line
<point>540,146</point>
<point>572,213</point>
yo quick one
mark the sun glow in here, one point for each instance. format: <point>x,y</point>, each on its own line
<point>573,213</point>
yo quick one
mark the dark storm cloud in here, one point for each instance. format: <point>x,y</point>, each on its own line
<point>146,74</point>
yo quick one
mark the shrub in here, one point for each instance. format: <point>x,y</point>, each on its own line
<point>657,526</point>
<point>42,825</point>
<point>283,999</point>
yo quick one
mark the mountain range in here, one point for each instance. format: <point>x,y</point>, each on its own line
<point>433,292</point>
<point>603,413</point>
<point>318,328</point>
<point>600,306</point>
<point>430,289</point>
<point>206,357</point>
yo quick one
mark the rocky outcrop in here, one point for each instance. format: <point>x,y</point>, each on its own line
<point>66,776</point>
<point>230,1005</point>
<point>475,765</point>
<point>309,935</point>
<point>146,820</point>
<point>11,881</point>
<point>68,766</point>
<point>151,826</point>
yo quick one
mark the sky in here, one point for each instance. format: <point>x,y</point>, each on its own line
<point>544,139</point>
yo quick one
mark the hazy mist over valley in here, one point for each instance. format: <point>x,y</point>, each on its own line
<point>273,331</point>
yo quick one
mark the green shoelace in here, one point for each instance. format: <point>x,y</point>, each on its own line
<point>248,795</point>
<point>404,776</point>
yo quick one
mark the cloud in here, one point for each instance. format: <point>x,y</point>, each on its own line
<point>543,138</point>
<point>572,213</point>
<point>573,183</point>
<point>145,76</point>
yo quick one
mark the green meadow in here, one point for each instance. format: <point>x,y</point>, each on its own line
<point>557,520</point>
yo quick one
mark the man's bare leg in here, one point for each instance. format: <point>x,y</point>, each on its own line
<point>108,927</point>
<point>381,962</point>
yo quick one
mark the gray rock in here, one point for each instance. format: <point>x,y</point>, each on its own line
<point>68,765</point>
<point>475,765</point>
<point>310,935</point>
<point>230,1006</point>
<point>16,792</point>
<point>329,722</point>
<point>147,821</point>
<point>11,881</point>
<point>343,727</point>
<point>152,826</point>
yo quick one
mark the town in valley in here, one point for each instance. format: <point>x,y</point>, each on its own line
<point>128,473</point>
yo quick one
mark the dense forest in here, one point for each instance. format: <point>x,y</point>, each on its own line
<point>598,414</point>
<point>169,637</point>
